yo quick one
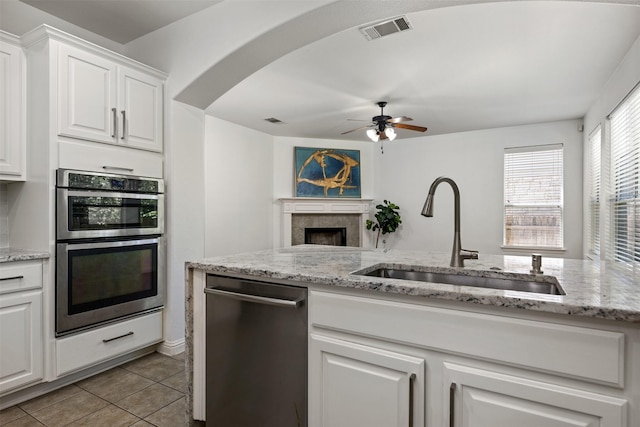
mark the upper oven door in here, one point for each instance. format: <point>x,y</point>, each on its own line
<point>93,214</point>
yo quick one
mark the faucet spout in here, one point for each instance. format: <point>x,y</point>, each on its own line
<point>458,255</point>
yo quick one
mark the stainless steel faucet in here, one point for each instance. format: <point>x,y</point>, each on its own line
<point>458,255</point>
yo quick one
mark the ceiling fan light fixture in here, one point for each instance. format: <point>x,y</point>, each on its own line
<point>390,132</point>
<point>373,135</point>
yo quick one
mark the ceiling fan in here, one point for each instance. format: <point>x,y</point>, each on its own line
<point>382,126</point>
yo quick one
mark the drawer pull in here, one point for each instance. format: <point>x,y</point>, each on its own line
<point>117,338</point>
<point>12,278</point>
<point>117,168</point>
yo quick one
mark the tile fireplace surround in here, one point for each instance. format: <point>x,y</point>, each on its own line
<point>300,213</point>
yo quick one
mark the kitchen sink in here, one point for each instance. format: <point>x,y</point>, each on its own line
<point>527,283</point>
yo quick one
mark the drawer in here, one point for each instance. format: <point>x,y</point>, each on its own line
<point>578,352</point>
<point>98,345</point>
<point>98,157</point>
<point>20,276</point>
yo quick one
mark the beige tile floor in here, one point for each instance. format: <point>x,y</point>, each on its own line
<point>149,391</point>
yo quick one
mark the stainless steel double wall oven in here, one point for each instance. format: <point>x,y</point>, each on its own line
<point>110,249</point>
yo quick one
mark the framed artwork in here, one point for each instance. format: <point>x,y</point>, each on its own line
<point>326,172</point>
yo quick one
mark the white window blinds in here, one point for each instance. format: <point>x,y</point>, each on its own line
<point>593,222</point>
<point>625,180</point>
<point>533,198</point>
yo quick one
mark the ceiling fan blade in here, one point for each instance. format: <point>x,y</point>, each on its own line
<point>399,119</point>
<point>353,130</point>
<point>410,127</point>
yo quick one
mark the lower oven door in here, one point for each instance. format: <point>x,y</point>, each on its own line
<point>98,282</point>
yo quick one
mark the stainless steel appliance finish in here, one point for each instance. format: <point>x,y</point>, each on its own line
<point>458,255</point>
<point>98,205</point>
<point>256,354</point>
<point>548,285</point>
<point>98,282</point>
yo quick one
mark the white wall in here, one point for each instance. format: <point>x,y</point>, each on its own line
<point>238,194</point>
<point>283,171</point>
<point>185,210</point>
<point>623,80</point>
<point>474,160</point>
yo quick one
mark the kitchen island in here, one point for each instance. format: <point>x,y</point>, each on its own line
<point>575,356</point>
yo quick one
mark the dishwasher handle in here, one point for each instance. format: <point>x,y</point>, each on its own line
<point>255,298</point>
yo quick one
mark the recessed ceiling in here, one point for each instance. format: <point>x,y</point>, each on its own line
<point>121,20</point>
<point>459,68</point>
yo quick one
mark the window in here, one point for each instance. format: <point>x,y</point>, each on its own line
<point>533,183</point>
<point>593,181</point>
<point>624,204</point>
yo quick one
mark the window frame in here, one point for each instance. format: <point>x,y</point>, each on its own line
<point>508,244</point>
<point>616,196</point>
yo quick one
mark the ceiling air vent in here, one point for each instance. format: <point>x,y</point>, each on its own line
<point>385,28</point>
<point>274,120</point>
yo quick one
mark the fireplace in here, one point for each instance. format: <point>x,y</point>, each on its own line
<point>332,236</point>
<point>300,214</point>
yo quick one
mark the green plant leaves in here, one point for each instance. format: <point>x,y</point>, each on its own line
<point>387,217</point>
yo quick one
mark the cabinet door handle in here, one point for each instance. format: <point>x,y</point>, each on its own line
<point>124,124</point>
<point>412,380</point>
<point>12,278</point>
<point>118,337</point>
<point>452,404</point>
<point>114,132</point>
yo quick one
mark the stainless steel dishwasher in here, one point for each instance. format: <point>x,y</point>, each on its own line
<point>256,344</point>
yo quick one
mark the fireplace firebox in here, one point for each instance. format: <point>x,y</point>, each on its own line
<point>333,236</point>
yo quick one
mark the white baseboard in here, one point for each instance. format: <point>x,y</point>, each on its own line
<point>171,348</point>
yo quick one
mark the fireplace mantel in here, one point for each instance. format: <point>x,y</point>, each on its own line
<point>309,205</point>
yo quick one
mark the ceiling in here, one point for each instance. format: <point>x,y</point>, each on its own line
<point>121,20</point>
<point>459,68</point>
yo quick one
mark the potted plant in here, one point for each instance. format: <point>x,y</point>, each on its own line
<point>387,219</point>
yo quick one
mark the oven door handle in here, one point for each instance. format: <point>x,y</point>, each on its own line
<point>108,194</point>
<point>255,298</point>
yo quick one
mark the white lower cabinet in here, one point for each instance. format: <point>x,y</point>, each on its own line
<point>472,369</point>
<point>484,398</point>
<point>356,385</point>
<point>21,327</point>
<point>83,350</point>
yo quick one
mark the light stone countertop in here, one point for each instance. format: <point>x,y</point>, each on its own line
<point>12,254</point>
<point>593,289</point>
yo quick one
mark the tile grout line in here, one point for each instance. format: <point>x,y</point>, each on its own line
<point>180,395</point>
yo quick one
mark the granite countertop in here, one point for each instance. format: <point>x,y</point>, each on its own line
<point>12,254</point>
<point>593,289</point>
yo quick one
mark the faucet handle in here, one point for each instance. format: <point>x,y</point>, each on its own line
<point>468,254</point>
<point>536,264</point>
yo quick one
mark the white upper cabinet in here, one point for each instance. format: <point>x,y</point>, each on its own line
<point>87,96</point>
<point>140,98</point>
<point>104,101</point>
<point>12,109</point>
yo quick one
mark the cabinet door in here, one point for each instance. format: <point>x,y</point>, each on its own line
<point>353,385</point>
<point>87,96</point>
<point>481,398</point>
<point>21,346</point>
<point>140,110</point>
<point>12,138</point>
